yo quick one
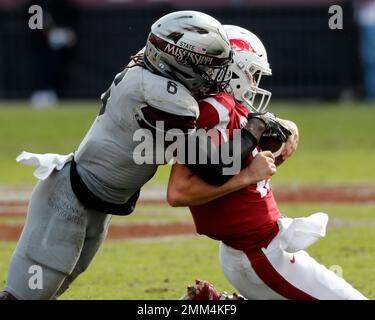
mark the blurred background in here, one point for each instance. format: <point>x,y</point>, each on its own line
<point>85,42</point>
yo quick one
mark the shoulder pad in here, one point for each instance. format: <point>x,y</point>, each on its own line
<point>168,95</point>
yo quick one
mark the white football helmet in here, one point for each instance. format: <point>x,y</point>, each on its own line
<point>250,64</point>
<point>191,47</point>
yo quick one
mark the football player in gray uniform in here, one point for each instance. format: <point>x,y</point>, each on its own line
<point>187,54</point>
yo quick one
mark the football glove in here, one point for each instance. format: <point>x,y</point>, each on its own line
<point>274,128</point>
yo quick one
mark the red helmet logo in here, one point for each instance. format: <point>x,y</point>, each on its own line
<point>241,45</point>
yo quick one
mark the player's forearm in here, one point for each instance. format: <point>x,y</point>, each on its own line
<point>187,189</point>
<point>213,172</point>
<point>197,192</point>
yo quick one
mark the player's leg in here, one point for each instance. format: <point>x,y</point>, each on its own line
<point>302,275</point>
<point>239,272</point>
<point>96,233</point>
<point>51,240</point>
<point>285,275</point>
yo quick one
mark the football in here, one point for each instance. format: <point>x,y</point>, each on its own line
<point>274,145</point>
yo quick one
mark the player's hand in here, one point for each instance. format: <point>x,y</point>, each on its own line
<point>261,167</point>
<point>274,127</point>
<point>292,143</point>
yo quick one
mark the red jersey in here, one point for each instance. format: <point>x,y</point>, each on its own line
<point>245,219</point>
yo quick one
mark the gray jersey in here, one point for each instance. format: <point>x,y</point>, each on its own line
<point>105,156</point>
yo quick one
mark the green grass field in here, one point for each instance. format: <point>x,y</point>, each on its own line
<point>162,268</point>
<point>337,147</point>
<point>337,142</point>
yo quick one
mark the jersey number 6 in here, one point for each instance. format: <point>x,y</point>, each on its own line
<point>172,87</point>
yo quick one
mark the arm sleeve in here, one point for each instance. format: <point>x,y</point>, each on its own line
<point>213,171</point>
<point>209,153</point>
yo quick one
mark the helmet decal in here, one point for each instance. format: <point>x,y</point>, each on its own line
<point>182,55</point>
<point>241,45</point>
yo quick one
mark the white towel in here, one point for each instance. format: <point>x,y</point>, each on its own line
<point>45,163</point>
<point>299,233</point>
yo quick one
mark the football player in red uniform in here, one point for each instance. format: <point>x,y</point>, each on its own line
<point>261,252</point>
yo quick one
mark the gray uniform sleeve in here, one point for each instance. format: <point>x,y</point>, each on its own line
<point>168,104</point>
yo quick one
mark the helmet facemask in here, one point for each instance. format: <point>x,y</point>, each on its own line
<point>216,78</point>
<point>245,87</point>
<point>256,98</point>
